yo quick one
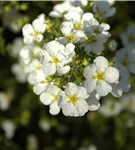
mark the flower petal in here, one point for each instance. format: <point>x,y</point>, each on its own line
<point>103,88</point>
<point>101,63</point>
<point>112,75</point>
<point>46,98</point>
<point>54,108</point>
<point>90,85</point>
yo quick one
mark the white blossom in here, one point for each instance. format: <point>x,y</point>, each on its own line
<point>34,32</point>
<point>55,58</point>
<point>99,76</point>
<point>50,97</point>
<point>97,34</point>
<point>73,100</point>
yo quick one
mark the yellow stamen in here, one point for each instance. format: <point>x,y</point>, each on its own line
<point>78,26</point>
<point>56,97</point>
<point>73,99</point>
<point>71,37</point>
<point>55,60</point>
<point>35,33</point>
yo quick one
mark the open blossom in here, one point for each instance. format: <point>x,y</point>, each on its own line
<point>99,76</point>
<point>73,100</point>
<point>97,34</point>
<point>50,97</point>
<point>55,58</point>
<point>84,28</point>
<point>34,32</point>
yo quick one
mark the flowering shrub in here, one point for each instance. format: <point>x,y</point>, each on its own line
<point>78,58</point>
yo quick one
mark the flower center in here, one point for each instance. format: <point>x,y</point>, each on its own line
<point>71,37</point>
<point>78,26</point>
<point>56,97</point>
<point>99,76</point>
<point>97,31</point>
<point>35,33</point>
<point>91,39</point>
<point>73,99</point>
<point>55,59</point>
<point>38,66</point>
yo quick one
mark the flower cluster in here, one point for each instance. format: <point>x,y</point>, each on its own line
<point>72,72</point>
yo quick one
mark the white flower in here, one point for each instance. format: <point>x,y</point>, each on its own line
<point>56,57</point>
<point>126,57</point>
<point>9,127</point>
<point>128,37</point>
<point>34,32</point>
<point>39,87</point>
<point>110,107</point>
<point>73,101</point>
<point>18,71</point>
<point>60,9</point>
<point>50,97</point>
<point>99,76</point>
<point>97,34</point>
<point>103,9</point>
<point>70,34</point>
<point>5,100</point>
